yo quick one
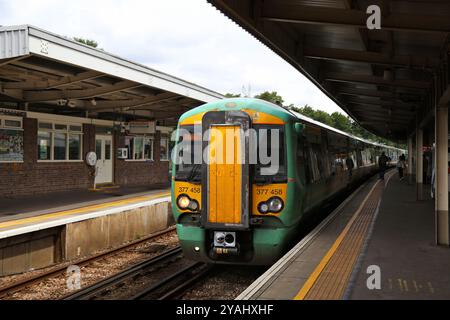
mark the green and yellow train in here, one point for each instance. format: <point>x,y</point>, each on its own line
<point>231,212</point>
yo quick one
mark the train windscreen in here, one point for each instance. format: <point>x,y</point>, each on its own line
<point>187,170</point>
<point>266,135</point>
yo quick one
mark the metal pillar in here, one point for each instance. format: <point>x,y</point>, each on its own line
<point>442,219</point>
<point>419,162</point>
<point>410,156</point>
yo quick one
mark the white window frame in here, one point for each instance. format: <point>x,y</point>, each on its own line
<point>144,138</point>
<point>67,132</point>
<point>3,126</point>
<point>167,148</point>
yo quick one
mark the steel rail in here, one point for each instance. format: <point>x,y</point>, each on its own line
<point>21,284</point>
<point>176,284</point>
<point>93,291</point>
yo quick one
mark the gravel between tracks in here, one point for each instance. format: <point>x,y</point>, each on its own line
<point>56,287</point>
<point>224,283</point>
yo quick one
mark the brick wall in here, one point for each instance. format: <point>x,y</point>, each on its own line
<point>34,178</point>
<point>139,173</point>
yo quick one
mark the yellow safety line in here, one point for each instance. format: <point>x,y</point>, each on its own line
<point>86,209</point>
<point>321,266</point>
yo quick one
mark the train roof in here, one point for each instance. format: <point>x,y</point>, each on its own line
<point>327,127</point>
<point>277,110</point>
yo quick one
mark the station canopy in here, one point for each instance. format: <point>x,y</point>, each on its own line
<point>389,80</point>
<point>44,72</point>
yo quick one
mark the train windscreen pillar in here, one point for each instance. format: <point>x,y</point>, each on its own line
<point>419,162</point>
<point>442,219</point>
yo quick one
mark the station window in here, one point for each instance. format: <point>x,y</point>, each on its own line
<point>164,149</point>
<point>11,139</point>
<point>59,142</point>
<point>139,147</point>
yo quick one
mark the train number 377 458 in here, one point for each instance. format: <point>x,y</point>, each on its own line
<point>274,192</point>
<point>189,189</point>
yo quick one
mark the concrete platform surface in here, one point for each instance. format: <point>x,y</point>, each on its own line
<point>22,223</point>
<point>20,207</point>
<point>403,246</point>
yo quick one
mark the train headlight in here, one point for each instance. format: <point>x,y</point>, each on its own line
<point>275,204</point>
<point>193,205</point>
<point>219,237</point>
<point>263,207</point>
<point>183,202</point>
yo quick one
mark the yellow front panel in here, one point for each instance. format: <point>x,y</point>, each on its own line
<point>264,193</point>
<point>225,175</point>
<point>193,191</point>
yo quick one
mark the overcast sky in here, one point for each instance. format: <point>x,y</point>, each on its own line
<point>189,39</point>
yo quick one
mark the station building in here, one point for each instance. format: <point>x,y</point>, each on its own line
<point>60,100</point>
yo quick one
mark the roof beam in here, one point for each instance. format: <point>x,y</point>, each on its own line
<point>32,96</point>
<point>4,62</point>
<point>128,104</point>
<point>377,116</point>
<point>12,93</point>
<point>368,57</point>
<point>23,73</point>
<point>342,77</point>
<point>370,93</point>
<point>179,103</point>
<point>379,121</point>
<point>292,13</point>
<point>369,109</point>
<point>384,103</point>
<point>41,85</point>
<point>168,115</point>
<point>44,67</point>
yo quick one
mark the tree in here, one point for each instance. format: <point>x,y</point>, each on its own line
<point>341,122</point>
<point>344,123</point>
<point>271,97</point>
<point>336,119</point>
<point>232,95</point>
<point>317,115</point>
<point>88,42</point>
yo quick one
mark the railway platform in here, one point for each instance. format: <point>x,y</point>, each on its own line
<point>55,231</point>
<point>378,244</point>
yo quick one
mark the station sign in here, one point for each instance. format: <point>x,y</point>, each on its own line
<point>142,127</point>
<point>10,112</point>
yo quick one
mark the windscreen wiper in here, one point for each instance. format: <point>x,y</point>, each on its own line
<point>193,173</point>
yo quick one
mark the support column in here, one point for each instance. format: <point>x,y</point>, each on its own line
<point>419,162</point>
<point>410,156</point>
<point>441,174</point>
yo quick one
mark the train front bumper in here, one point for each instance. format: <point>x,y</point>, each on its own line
<point>268,245</point>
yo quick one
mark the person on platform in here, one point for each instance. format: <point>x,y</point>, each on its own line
<point>382,164</point>
<point>401,165</point>
<point>350,165</point>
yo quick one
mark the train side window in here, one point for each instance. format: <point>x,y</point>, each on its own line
<point>324,156</point>
<point>337,151</point>
<point>359,158</point>
<point>302,164</point>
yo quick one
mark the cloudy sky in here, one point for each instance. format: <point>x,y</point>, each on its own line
<point>189,39</point>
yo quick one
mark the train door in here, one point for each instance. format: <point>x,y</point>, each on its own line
<point>225,175</point>
<point>104,166</point>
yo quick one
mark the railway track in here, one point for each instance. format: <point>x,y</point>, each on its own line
<point>159,283</point>
<point>56,271</point>
<point>175,285</point>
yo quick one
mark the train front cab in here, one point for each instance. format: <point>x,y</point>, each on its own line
<point>231,212</point>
